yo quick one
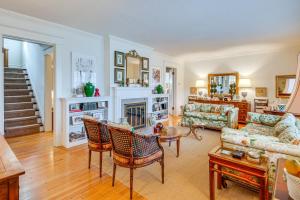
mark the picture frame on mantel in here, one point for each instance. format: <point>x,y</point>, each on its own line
<point>145,63</point>
<point>119,75</point>
<point>119,59</point>
<point>145,78</point>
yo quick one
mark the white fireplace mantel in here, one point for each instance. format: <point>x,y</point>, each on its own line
<point>122,93</point>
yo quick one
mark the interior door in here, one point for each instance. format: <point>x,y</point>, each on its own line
<point>170,78</point>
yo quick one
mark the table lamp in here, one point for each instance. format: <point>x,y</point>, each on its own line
<point>200,84</point>
<point>244,83</point>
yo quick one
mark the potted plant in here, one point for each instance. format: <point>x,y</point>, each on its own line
<point>89,89</point>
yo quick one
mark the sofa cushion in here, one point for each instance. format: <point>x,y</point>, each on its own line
<point>253,117</point>
<point>269,120</point>
<point>298,123</point>
<point>253,128</point>
<point>205,108</point>
<point>208,116</point>
<point>215,108</point>
<point>289,135</point>
<point>286,121</point>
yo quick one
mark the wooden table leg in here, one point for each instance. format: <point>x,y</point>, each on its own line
<point>263,192</point>
<point>211,181</point>
<point>178,146</point>
<point>219,178</point>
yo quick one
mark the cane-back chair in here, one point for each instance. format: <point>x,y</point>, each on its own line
<point>98,139</point>
<point>133,151</point>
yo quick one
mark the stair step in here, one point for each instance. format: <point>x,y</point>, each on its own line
<point>21,121</point>
<point>14,75</point>
<point>20,113</point>
<point>16,99</point>
<point>16,80</point>
<point>22,130</point>
<point>17,92</point>
<point>19,106</point>
<point>16,86</point>
<point>16,70</point>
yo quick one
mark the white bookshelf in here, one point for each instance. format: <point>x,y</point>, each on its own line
<point>74,109</point>
<point>160,107</point>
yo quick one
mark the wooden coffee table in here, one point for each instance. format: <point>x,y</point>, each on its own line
<point>171,135</point>
<point>194,128</point>
<point>217,161</point>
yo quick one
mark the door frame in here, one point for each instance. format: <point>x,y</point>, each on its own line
<point>58,44</point>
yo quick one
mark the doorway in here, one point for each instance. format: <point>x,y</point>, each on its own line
<point>170,83</point>
<point>28,86</point>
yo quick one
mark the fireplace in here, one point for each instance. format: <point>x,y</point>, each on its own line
<point>136,114</point>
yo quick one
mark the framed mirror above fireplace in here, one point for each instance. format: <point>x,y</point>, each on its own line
<point>133,68</point>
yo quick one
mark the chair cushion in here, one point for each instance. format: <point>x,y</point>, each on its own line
<point>96,146</point>
<point>253,128</point>
<point>137,161</point>
<point>286,121</point>
<point>206,108</point>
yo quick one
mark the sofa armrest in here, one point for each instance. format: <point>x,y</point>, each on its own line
<point>233,120</point>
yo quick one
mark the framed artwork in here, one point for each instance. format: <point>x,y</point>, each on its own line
<point>119,75</point>
<point>193,90</point>
<point>145,78</point>
<point>285,85</point>
<point>83,71</point>
<point>156,75</point>
<point>119,59</point>
<point>145,63</point>
<point>261,92</point>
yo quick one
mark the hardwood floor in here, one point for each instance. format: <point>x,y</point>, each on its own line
<point>59,173</point>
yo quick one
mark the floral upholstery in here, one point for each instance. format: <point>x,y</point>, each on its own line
<point>211,115</point>
<point>276,141</point>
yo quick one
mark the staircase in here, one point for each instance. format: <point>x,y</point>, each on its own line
<point>21,115</point>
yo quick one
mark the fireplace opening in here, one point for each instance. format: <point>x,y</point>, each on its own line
<point>136,114</point>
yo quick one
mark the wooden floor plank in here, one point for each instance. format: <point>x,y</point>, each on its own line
<point>59,173</point>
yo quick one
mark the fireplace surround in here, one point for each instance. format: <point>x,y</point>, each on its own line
<point>135,110</point>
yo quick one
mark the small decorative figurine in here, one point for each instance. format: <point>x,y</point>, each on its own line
<point>97,92</point>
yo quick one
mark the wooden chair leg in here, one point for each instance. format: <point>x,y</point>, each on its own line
<point>162,171</point>
<point>100,164</point>
<point>114,175</point>
<point>131,182</point>
<point>90,155</point>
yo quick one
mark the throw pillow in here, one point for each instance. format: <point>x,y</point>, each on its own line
<point>215,109</point>
<point>206,108</point>
<point>269,120</point>
<point>286,121</point>
<point>289,135</point>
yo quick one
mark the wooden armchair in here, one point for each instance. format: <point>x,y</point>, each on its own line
<point>98,139</point>
<point>133,151</point>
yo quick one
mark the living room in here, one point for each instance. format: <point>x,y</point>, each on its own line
<point>200,102</point>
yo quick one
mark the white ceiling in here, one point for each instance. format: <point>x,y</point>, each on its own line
<point>175,27</point>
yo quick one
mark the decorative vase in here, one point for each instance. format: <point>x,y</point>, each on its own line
<point>159,89</point>
<point>89,89</point>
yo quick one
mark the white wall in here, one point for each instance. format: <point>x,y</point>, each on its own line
<point>156,59</point>
<point>261,68</point>
<point>33,59</point>
<point>14,47</point>
<point>66,40</point>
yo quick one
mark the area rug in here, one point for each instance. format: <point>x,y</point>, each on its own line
<point>186,177</point>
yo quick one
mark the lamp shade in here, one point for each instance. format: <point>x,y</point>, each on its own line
<point>200,83</point>
<point>293,105</point>
<point>244,83</point>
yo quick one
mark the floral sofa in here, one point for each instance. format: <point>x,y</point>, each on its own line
<point>272,135</point>
<point>213,116</point>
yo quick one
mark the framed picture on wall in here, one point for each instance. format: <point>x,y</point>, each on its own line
<point>119,75</point>
<point>119,59</point>
<point>145,78</point>
<point>145,63</point>
<point>261,92</point>
<point>193,90</point>
<point>156,75</point>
